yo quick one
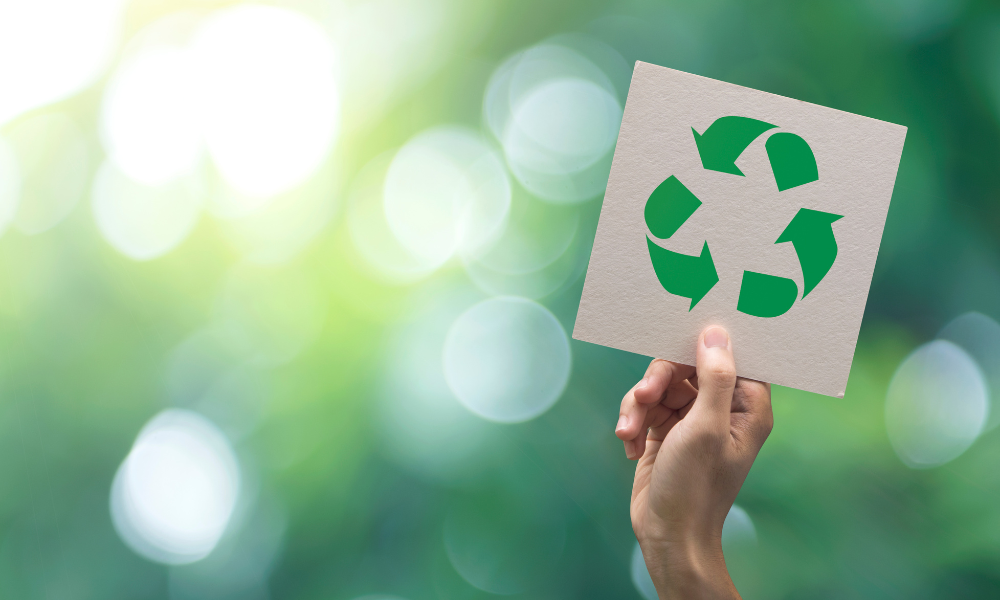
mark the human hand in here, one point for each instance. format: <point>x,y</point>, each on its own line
<point>695,433</point>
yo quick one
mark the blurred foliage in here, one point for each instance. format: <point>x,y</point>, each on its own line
<point>86,335</point>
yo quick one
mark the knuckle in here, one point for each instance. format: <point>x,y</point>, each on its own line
<point>768,424</point>
<point>719,373</point>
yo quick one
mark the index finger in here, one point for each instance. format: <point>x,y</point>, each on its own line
<point>660,376</point>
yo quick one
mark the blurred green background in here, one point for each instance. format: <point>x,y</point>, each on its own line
<point>286,292</point>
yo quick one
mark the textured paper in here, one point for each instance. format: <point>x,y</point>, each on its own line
<point>811,346</point>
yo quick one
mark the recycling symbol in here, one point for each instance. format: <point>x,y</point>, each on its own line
<point>810,231</point>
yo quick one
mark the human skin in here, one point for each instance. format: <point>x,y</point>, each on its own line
<point>695,432</point>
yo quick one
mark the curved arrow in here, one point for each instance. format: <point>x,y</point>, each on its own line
<point>725,139</point>
<point>668,207</point>
<point>811,232</point>
<point>766,295</point>
<point>792,161</point>
<point>684,275</point>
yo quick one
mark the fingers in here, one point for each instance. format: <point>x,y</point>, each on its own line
<point>716,379</point>
<point>658,431</point>
<point>658,418</point>
<point>657,415</point>
<point>664,382</point>
<point>630,419</point>
<point>660,376</point>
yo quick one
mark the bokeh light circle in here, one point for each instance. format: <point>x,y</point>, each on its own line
<point>241,564</point>
<point>507,359</point>
<point>55,162</point>
<point>936,405</point>
<point>51,49</point>
<point>174,494</point>
<point>383,256</point>
<point>140,221</point>
<point>979,335</point>
<point>267,76</point>
<point>150,123</point>
<point>640,575</point>
<point>546,131</point>
<point>557,116</point>
<point>446,191</point>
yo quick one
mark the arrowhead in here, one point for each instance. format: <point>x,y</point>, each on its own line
<point>807,223</point>
<point>725,140</point>
<point>682,274</point>
<point>709,276</point>
<point>811,232</point>
<point>714,155</point>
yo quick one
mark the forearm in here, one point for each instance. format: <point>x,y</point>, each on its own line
<point>688,570</point>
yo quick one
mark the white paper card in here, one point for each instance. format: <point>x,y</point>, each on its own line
<point>734,207</point>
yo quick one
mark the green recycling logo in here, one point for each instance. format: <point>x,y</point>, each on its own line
<point>810,231</point>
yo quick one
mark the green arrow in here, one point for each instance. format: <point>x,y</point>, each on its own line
<point>724,141</point>
<point>668,207</point>
<point>792,161</point>
<point>811,232</point>
<point>684,275</point>
<point>766,295</point>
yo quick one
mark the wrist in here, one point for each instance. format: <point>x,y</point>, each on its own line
<point>689,568</point>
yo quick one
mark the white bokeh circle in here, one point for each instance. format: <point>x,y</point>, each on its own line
<point>563,125</point>
<point>979,335</point>
<point>446,192</point>
<point>150,124</point>
<point>936,405</point>
<point>557,116</point>
<point>144,222</point>
<point>270,104</point>
<point>174,494</point>
<point>52,49</point>
<point>383,256</point>
<point>507,359</point>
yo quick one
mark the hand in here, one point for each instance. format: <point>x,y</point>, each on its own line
<point>695,433</point>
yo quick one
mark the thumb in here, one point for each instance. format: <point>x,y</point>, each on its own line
<point>716,378</point>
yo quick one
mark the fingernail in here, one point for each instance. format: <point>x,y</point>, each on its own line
<point>629,448</point>
<point>642,383</point>
<point>622,423</point>
<point>716,337</point>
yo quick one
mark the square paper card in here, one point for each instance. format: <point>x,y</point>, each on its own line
<point>734,207</point>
